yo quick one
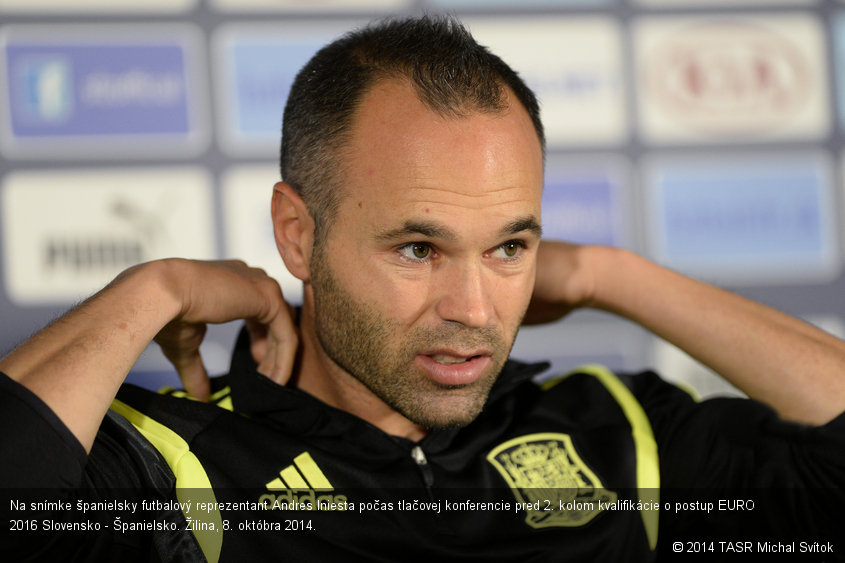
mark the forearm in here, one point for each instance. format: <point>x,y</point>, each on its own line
<point>777,359</point>
<point>76,364</point>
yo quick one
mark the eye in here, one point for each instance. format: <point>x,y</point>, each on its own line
<point>510,249</point>
<point>416,251</point>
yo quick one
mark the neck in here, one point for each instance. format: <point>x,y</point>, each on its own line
<point>319,376</point>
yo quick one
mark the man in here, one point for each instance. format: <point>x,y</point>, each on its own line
<point>412,162</point>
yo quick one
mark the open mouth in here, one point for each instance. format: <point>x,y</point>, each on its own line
<point>448,367</point>
<point>450,360</point>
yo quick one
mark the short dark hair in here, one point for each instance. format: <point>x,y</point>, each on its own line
<point>451,73</point>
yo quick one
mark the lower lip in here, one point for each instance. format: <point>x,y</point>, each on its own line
<point>463,373</point>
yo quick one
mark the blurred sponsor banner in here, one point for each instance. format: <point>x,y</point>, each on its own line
<point>487,4</point>
<point>66,233</point>
<point>309,6</point>
<point>744,219</point>
<point>248,228</point>
<point>257,65</point>
<point>574,66</point>
<point>721,3</point>
<point>730,78</point>
<point>101,91</point>
<point>93,7</point>
<point>586,201</point>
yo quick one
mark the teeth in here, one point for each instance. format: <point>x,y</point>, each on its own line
<point>448,360</point>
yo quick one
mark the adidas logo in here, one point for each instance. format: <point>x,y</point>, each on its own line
<point>302,486</point>
<point>303,474</point>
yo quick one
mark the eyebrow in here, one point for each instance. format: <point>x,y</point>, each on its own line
<point>527,223</point>
<point>433,230</point>
<point>428,229</point>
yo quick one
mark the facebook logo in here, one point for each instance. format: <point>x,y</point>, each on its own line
<point>46,89</point>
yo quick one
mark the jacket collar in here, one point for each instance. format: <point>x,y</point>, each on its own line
<point>255,395</point>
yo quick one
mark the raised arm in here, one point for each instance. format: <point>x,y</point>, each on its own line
<point>777,359</point>
<point>77,363</point>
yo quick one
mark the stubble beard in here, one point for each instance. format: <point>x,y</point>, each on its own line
<point>363,343</point>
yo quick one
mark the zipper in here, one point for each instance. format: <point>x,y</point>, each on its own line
<point>419,458</point>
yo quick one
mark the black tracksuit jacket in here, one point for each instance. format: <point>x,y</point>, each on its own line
<point>592,466</point>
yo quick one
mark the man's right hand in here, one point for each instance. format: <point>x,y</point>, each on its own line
<point>77,363</point>
<point>223,291</point>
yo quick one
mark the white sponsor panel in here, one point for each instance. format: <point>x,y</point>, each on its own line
<point>94,7</point>
<point>732,78</point>
<point>677,366</point>
<point>66,233</point>
<point>722,3</point>
<point>308,5</point>
<point>248,228</point>
<point>838,56</point>
<point>574,66</point>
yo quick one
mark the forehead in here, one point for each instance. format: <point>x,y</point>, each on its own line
<point>403,158</point>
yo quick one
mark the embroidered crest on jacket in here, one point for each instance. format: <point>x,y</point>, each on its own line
<point>550,481</point>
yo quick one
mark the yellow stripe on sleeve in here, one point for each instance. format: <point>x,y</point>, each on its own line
<point>192,484</point>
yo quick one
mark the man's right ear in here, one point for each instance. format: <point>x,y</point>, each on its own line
<point>293,228</point>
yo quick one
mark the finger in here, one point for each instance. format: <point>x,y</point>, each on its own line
<point>267,363</point>
<point>283,346</point>
<point>285,356</point>
<point>180,344</point>
<point>195,378</point>
<point>262,347</point>
<point>257,340</point>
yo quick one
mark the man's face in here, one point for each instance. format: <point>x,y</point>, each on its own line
<point>424,276</point>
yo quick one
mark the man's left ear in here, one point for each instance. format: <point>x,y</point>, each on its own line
<point>293,228</point>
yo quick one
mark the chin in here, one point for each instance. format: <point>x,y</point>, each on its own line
<point>442,413</point>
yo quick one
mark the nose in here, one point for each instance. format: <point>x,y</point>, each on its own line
<point>464,296</point>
